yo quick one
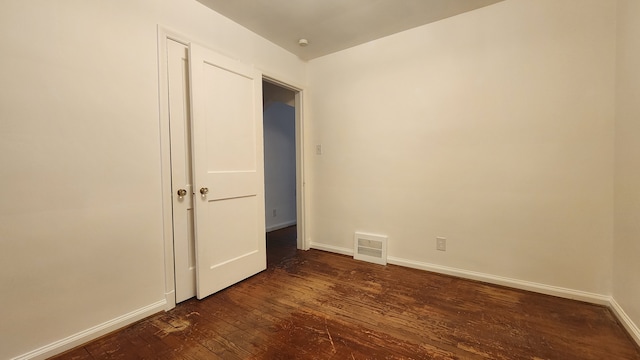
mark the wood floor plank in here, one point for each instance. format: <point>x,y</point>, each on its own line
<point>318,305</point>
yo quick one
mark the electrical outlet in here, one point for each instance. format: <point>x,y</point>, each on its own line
<point>274,212</point>
<point>318,149</point>
<point>441,244</point>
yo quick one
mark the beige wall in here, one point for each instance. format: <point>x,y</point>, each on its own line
<point>493,129</point>
<point>81,211</point>
<point>626,273</point>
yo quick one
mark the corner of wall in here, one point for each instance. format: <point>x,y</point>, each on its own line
<point>626,321</point>
<point>94,332</point>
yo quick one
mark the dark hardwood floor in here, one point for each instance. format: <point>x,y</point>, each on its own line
<point>318,305</point>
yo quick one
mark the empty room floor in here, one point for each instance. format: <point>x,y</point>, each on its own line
<point>319,305</point>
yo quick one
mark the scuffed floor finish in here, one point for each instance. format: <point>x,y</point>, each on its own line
<point>318,305</point>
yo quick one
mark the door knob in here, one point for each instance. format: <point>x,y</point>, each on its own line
<point>204,191</point>
<point>182,192</point>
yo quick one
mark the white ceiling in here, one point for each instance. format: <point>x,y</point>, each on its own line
<point>333,25</point>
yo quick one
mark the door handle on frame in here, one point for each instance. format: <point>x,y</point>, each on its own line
<point>204,191</point>
<point>182,192</point>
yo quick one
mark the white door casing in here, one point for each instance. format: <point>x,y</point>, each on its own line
<point>228,170</point>
<point>181,169</point>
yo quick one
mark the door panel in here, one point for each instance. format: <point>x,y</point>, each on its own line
<point>233,184</point>
<point>181,169</point>
<point>236,119</point>
<point>227,161</point>
<point>231,226</point>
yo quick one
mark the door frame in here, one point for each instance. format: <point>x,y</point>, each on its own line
<point>165,34</point>
<point>301,212</point>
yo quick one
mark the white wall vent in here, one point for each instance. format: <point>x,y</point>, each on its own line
<point>371,248</point>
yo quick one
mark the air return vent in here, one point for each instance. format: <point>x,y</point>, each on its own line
<point>371,248</point>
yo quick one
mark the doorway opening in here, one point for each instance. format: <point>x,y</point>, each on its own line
<point>280,169</point>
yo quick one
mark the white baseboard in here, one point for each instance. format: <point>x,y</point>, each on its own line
<point>82,337</point>
<point>331,248</point>
<point>626,321</point>
<point>281,225</point>
<point>504,281</point>
<point>492,279</point>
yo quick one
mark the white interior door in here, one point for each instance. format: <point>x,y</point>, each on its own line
<point>228,170</point>
<point>181,169</point>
